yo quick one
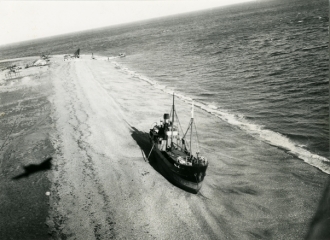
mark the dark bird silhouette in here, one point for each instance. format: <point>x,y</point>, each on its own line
<point>33,168</point>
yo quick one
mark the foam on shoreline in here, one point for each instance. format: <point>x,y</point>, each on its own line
<point>258,131</point>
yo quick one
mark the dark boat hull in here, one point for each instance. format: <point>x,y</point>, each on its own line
<point>174,156</point>
<point>189,178</point>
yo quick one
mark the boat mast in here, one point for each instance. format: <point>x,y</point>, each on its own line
<point>172,122</point>
<point>191,124</point>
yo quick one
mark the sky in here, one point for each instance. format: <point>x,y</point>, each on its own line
<point>26,20</point>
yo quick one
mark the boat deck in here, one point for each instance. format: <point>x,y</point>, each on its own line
<point>177,152</point>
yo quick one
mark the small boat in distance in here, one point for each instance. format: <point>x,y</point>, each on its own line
<point>174,153</point>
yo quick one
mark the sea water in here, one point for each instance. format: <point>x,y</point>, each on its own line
<point>262,67</point>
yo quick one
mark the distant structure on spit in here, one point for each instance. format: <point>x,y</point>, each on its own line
<point>75,55</point>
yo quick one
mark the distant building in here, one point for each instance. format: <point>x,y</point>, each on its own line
<point>40,62</point>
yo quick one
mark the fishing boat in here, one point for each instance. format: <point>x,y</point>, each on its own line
<point>174,152</point>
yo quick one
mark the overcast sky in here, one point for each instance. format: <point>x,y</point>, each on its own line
<point>24,20</point>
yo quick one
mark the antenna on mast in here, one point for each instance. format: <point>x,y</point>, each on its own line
<point>191,124</point>
<point>173,112</point>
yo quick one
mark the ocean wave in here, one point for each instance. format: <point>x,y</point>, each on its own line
<point>315,48</point>
<point>274,139</point>
<point>206,94</point>
<point>271,137</point>
<point>277,53</point>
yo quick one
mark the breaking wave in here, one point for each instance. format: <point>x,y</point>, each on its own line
<point>258,131</point>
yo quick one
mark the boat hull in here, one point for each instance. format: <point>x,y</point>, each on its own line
<point>189,178</point>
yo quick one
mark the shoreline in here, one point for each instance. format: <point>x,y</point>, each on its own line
<point>258,131</point>
<point>100,185</point>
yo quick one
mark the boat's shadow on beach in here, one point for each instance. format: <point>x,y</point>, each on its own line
<point>142,139</point>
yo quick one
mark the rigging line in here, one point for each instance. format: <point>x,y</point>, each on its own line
<point>196,135</point>
<point>187,143</point>
<point>151,151</point>
<point>191,132</point>
<point>179,122</point>
<point>187,129</point>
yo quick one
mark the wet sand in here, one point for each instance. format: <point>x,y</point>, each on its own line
<point>91,118</point>
<point>25,127</point>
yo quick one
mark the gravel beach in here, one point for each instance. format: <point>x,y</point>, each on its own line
<point>73,165</point>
